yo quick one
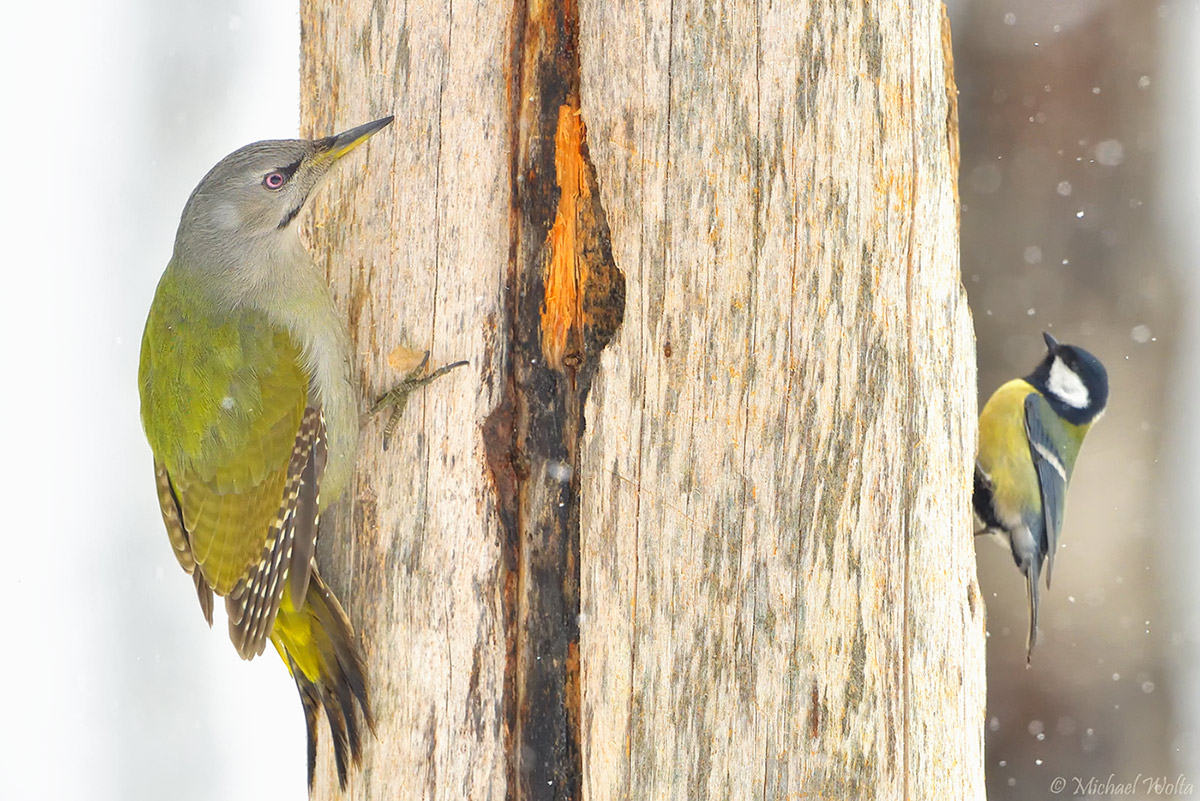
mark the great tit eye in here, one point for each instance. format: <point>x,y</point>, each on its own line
<point>274,180</point>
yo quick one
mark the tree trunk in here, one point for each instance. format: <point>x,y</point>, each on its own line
<point>694,523</point>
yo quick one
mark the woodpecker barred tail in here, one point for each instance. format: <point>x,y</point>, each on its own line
<point>322,653</point>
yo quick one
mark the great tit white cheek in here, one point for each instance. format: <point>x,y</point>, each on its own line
<point>1066,385</point>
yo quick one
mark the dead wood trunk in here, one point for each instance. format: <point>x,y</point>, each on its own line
<point>694,523</point>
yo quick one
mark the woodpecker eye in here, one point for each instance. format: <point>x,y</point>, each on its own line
<point>274,180</point>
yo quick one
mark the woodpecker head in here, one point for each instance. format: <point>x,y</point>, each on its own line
<point>251,198</point>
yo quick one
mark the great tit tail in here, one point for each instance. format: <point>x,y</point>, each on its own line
<point>1031,582</point>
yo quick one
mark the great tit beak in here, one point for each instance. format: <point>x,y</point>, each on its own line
<point>332,148</point>
<point>1051,342</point>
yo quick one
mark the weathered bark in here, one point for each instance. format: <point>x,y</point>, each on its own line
<point>416,242</point>
<point>727,552</point>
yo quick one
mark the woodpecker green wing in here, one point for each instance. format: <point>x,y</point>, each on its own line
<point>252,604</point>
<point>172,516</point>
<point>227,415</point>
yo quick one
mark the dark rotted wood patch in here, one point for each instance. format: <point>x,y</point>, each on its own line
<point>565,301</point>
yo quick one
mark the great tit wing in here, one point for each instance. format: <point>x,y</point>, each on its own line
<point>1043,429</point>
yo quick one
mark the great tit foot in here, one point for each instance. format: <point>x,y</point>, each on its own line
<point>397,397</point>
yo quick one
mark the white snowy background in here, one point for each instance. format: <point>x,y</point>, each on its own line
<point>115,689</point>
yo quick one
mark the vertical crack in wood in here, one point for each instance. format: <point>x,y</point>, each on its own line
<point>565,299</point>
<point>951,109</point>
<point>499,429</point>
<point>910,411</point>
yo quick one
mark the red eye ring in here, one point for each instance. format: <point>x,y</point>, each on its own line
<point>274,180</point>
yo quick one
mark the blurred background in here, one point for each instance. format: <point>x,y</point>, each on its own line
<point>1080,126</point>
<point>115,688</point>
<point>1080,210</point>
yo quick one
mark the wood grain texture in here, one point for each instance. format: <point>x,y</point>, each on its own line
<point>416,245</point>
<point>777,582</point>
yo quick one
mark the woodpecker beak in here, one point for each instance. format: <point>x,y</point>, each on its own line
<point>326,153</point>
<point>332,148</point>
<point>1051,342</point>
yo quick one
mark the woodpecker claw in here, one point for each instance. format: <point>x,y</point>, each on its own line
<point>397,396</point>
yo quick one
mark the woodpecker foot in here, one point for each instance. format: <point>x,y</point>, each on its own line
<point>397,397</point>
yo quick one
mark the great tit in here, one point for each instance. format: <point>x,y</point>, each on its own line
<point>1030,431</point>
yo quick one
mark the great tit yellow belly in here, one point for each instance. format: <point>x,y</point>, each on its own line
<point>1030,431</point>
